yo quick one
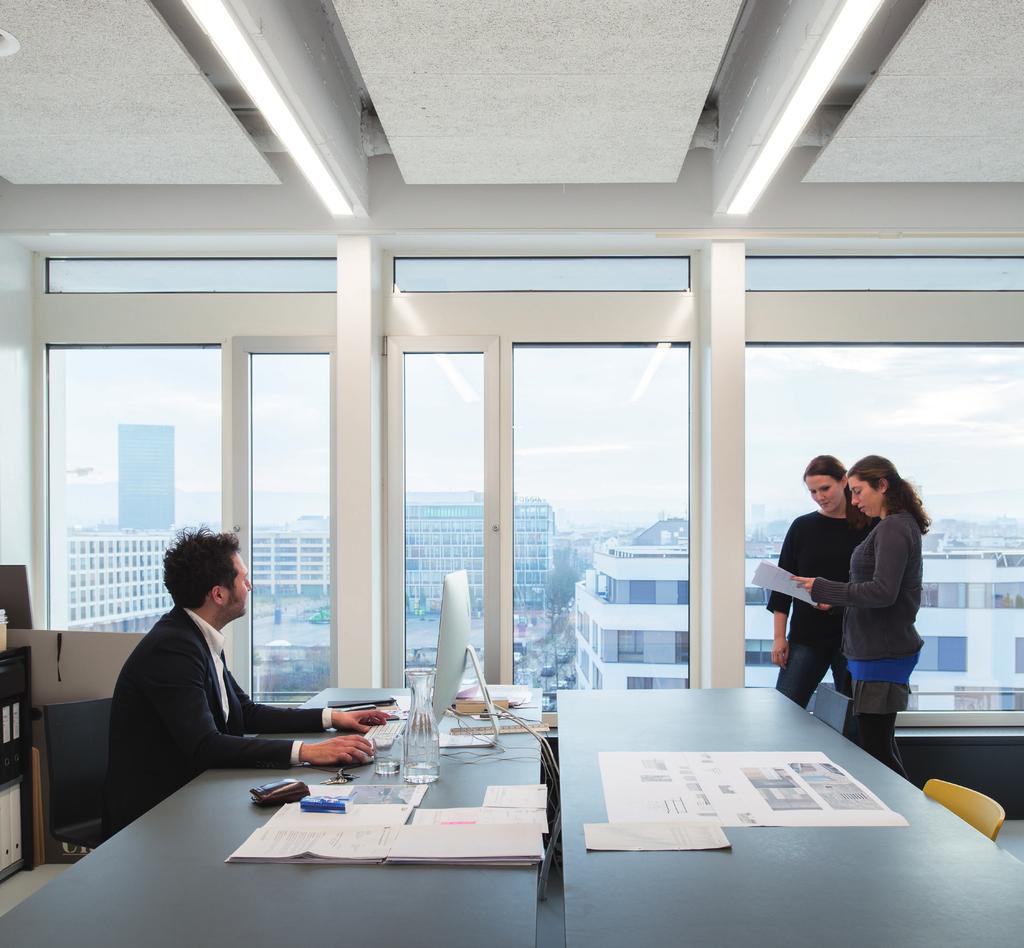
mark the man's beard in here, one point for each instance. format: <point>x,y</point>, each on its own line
<point>234,608</point>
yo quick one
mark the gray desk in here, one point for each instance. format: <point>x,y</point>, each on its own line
<point>163,883</point>
<point>936,882</point>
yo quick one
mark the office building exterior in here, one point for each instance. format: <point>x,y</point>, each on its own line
<point>145,477</point>
<point>445,532</point>
<point>116,580</point>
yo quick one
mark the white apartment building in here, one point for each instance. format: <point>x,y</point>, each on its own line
<point>632,626</point>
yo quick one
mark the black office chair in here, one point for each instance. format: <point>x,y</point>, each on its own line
<point>836,710</point>
<point>77,737</point>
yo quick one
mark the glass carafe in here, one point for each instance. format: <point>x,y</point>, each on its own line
<point>422,748</point>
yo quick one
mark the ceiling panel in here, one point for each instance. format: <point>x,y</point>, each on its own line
<point>947,105</point>
<point>538,92</point>
<point>102,92</point>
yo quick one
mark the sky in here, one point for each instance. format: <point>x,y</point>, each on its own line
<point>949,418</point>
<point>587,438</point>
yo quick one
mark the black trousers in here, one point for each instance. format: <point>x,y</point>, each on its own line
<point>878,737</point>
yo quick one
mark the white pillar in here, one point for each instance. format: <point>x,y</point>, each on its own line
<point>721,502</point>
<point>357,568</point>
<point>16,447</point>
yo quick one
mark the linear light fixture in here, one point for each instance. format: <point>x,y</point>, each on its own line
<point>841,37</point>
<point>234,46</point>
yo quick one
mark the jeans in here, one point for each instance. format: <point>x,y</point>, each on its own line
<point>806,668</point>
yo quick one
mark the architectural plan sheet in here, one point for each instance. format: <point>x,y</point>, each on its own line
<point>769,576</point>
<point>737,788</point>
<point>530,796</point>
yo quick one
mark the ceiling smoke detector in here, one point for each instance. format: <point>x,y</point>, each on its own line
<point>9,44</point>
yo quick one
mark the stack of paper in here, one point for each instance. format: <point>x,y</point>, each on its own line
<point>469,815</point>
<point>506,831</point>
<point>468,845</point>
<point>352,844</point>
<point>291,816</point>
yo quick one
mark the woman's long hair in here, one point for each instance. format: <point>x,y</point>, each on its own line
<point>900,496</point>
<point>825,465</point>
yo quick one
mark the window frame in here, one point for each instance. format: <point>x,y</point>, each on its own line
<point>396,348</point>
<point>172,292</point>
<point>44,453</point>
<point>897,318</point>
<point>238,419</point>
<point>428,321</point>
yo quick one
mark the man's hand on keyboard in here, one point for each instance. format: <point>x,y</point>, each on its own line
<point>345,749</point>
<point>358,721</point>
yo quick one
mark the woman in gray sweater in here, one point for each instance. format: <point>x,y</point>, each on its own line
<point>880,642</point>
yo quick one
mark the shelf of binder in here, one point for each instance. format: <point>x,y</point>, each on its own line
<point>15,762</point>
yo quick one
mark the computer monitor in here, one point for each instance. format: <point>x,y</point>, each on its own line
<point>14,597</point>
<point>452,639</point>
<point>453,647</point>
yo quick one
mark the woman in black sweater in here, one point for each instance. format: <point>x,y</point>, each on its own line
<point>816,544</point>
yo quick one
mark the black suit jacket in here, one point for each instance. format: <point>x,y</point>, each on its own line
<point>167,726</point>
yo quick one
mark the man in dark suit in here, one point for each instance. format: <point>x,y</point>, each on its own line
<point>177,710</point>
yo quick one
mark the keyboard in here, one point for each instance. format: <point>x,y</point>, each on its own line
<point>502,729</point>
<point>385,734</point>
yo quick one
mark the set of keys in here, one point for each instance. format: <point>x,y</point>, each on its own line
<point>342,776</point>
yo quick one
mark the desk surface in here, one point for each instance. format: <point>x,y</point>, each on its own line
<point>936,882</point>
<point>162,882</point>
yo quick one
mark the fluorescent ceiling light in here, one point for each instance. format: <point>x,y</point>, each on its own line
<point>232,43</point>
<point>844,33</point>
<point>660,351</point>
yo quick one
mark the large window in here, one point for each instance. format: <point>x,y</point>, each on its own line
<point>918,274</point>
<point>537,274</point>
<point>192,275</point>
<point>444,492</point>
<point>601,516</point>
<point>949,418</point>
<point>134,453</point>
<point>290,413</point>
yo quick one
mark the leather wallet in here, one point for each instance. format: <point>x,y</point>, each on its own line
<point>279,791</point>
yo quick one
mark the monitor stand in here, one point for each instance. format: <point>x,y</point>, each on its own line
<point>485,693</point>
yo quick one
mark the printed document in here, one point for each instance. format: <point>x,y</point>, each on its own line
<point>530,796</point>
<point>291,816</point>
<point>467,815</point>
<point>351,845</point>
<point>394,793</point>
<point>487,845</point>
<point>769,576</point>
<point>737,788</point>
<point>651,837</point>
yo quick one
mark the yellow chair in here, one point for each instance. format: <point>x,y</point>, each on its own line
<point>982,812</point>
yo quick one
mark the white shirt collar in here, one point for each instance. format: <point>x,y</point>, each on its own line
<point>215,643</point>
<point>213,638</point>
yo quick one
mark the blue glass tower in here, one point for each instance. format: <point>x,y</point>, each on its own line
<point>145,479</point>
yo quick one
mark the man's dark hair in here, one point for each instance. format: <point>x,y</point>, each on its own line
<point>199,560</point>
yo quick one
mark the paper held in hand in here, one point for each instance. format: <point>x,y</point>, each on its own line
<point>769,576</point>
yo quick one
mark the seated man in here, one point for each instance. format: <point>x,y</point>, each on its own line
<point>177,710</point>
